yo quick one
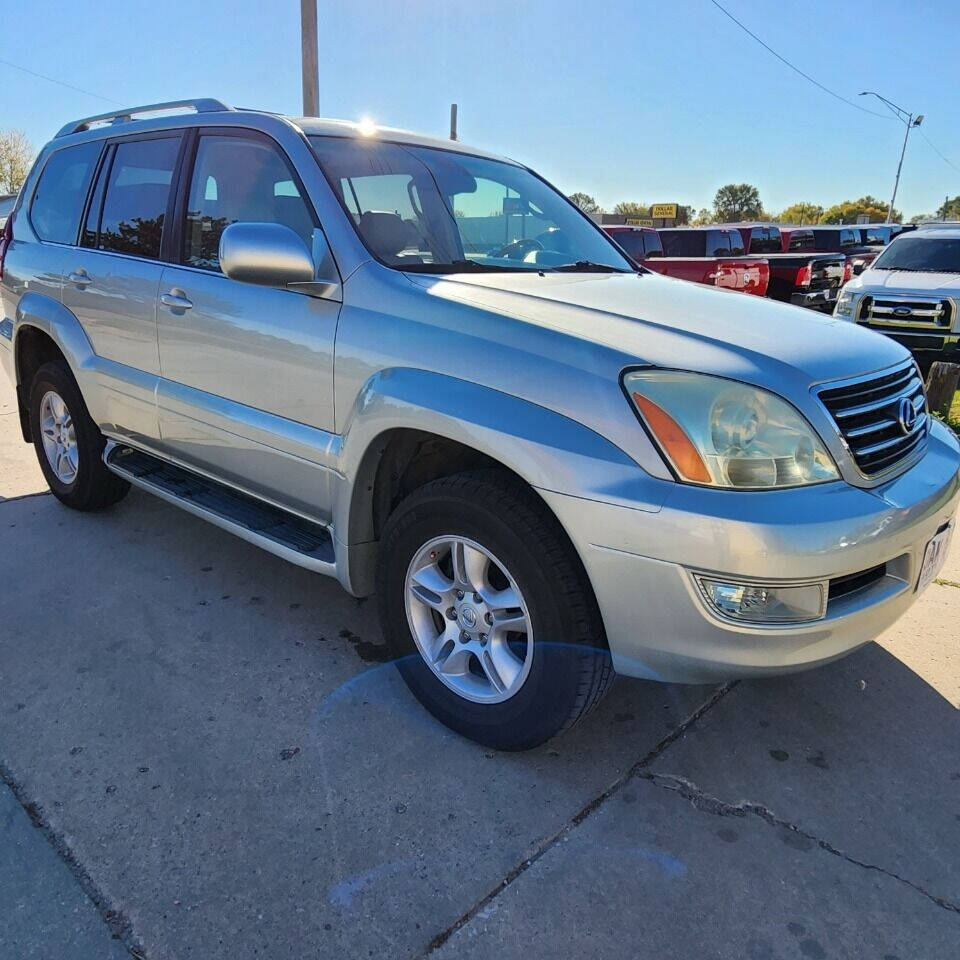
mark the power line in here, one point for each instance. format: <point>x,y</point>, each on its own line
<point>60,83</point>
<point>796,69</point>
<point>949,163</point>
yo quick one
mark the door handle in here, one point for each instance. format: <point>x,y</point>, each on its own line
<point>80,278</point>
<point>175,300</point>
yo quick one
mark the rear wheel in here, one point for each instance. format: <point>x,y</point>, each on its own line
<point>68,444</point>
<point>489,612</point>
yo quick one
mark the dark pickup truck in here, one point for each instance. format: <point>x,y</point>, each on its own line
<point>847,240</point>
<point>713,257</point>
<point>803,278</point>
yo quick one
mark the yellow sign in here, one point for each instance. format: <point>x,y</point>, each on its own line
<point>664,210</point>
<point>638,222</point>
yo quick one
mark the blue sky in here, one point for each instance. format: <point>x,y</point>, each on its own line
<point>653,102</point>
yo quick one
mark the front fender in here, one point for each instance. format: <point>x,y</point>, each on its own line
<point>548,450</point>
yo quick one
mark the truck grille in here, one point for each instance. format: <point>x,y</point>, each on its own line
<point>928,312</point>
<point>873,416</point>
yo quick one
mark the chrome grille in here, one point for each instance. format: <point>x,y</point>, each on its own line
<point>929,312</point>
<point>867,414</point>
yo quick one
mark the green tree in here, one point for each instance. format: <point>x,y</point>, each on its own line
<point>801,213</point>
<point>16,155</point>
<point>627,208</point>
<point>702,217</point>
<point>849,210</point>
<point>737,201</point>
<point>950,210</point>
<point>585,202</point>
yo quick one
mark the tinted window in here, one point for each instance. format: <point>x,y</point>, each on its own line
<point>239,179</point>
<point>718,243</point>
<point>800,240</point>
<point>631,241</point>
<point>833,240</point>
<point>684,243</point>
<point>876,236</point>
<point>765,240</point>
<point>651,241</point>
<point>136,196</point>
<point>58,202</point>
<point>914,252</point>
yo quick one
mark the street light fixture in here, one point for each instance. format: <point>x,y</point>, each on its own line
<point>911,121</point>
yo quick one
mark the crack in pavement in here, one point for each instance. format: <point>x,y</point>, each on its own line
<point>24,496</point>
<point>548,843</point>
<point>707,803</point>
<point>116,920</point>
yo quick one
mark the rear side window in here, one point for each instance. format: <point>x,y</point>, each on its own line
<point>800,240</point>
<point>631,241</point>
<point>651,242</point>
<point>718,243</point>
<point>239,179</point>
<point>137,193</point>
<point>765,240</point>
<point>684,243</point>
<point>61,192</point>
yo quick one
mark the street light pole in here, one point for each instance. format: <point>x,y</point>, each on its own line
<point>308,55</point>
<point>909,120</point>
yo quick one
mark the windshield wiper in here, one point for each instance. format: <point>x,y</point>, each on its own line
<point>585,266</point>
<point>462,266</point>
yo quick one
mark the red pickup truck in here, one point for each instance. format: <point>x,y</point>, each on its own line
<point>713,257</point>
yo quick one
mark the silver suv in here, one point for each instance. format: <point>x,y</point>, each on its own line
<point>419,369</point>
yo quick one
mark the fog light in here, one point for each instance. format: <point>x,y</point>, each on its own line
<point>765,603</point>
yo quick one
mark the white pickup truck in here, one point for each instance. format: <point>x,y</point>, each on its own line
<point>911,292</point>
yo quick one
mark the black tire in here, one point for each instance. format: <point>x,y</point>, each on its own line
<point>570,670</point>
<point>94,486</point>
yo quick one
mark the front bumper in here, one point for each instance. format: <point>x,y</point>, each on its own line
<point>824,299</point>
<point>658,625</point>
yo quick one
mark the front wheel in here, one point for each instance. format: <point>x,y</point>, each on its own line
<point>489,611</point>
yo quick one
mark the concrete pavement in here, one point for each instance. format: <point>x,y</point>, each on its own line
<point>221,764</point>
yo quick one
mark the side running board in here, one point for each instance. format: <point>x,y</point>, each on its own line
<point>284,534</point>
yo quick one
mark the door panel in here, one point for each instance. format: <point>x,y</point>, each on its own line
<point>111,282</point>
<point>246,390</point>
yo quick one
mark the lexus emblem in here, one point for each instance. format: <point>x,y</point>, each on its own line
<point>907,415</point>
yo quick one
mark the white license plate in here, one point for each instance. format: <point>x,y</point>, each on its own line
<point>933,558</point>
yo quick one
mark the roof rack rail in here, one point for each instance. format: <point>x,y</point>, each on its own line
<point>201,105</point>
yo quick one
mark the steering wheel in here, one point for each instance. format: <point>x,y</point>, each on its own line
<point>517,249</point>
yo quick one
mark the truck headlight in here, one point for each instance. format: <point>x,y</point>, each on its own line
<point>721,433</point>
<point>844,305</point>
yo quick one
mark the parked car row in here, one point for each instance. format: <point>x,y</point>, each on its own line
<point>802,265</point>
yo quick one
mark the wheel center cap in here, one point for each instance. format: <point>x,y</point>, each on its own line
<point>468,617</point>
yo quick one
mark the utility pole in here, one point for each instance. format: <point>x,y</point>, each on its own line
<point>453,121</point>
<point>308,58</point>
<point>910,121</point>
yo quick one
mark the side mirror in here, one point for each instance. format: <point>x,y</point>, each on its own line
<point>858,268</point>
<point>268,254</point>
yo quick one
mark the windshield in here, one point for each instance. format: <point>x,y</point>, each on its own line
<point>436,211</point>
<point>925,254</point>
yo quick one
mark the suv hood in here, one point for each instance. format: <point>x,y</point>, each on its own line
<point>657,320</point>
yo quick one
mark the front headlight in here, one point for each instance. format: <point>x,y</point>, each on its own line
<point>844,305</point>
<point>722,433</point>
